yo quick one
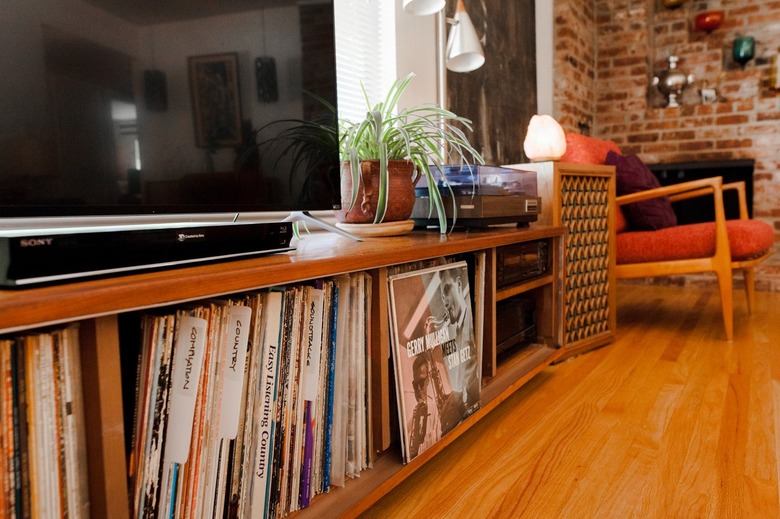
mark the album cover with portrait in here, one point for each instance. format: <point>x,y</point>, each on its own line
<point>435,355</point>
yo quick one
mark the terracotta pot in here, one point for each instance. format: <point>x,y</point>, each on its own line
<point>400,194</point>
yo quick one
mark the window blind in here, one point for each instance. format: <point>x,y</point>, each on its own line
<point>365,53</point>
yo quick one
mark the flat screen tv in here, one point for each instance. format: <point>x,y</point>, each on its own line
<point>148,107</point>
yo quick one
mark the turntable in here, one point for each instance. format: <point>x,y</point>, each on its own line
<point>483,196</point>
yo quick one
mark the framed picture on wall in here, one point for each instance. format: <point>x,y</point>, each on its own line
<point>216,103</point>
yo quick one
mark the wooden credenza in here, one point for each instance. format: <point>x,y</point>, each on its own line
<point>581,198</point>
<point>98,306</point>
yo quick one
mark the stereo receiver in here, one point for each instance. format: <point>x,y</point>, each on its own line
<point>521,261</point>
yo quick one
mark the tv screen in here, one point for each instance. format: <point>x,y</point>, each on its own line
<point>117,107</point>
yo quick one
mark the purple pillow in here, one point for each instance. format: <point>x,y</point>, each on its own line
<point>632,176</point>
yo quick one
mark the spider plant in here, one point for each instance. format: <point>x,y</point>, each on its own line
<point>309,147</point>
<point>427,135</point>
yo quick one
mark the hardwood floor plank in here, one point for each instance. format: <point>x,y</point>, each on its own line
<point>669,421</point>
<point>628,409</point>
<point>692,494</point>
<point>776,423</point>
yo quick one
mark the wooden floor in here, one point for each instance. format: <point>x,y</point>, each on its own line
<point>670,421</point>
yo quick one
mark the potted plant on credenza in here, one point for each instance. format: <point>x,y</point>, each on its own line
<point>381,159</point>
<point>385,154</point>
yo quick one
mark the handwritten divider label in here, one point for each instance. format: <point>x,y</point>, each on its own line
<point>188,360</point>
<point>313,345</point>
<point>237,336</point>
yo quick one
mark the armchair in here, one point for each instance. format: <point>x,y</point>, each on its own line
<point>721,247</point>
<point>664,248</point>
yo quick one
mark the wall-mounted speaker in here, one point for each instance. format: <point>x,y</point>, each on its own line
<point>155,90</point>
<point>265,75</point>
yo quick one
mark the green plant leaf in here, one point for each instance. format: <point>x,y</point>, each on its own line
<point>354,168</point>
<point>384,182</point>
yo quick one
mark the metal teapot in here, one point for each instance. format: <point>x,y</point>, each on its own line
<point>672,82</point>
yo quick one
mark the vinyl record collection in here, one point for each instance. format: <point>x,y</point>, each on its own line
<point>43,469</point>
<point>251,406</point>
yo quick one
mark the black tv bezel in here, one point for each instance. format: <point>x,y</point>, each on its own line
<point>64,214</point>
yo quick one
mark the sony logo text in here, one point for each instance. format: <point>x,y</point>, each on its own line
<point>35,242</point>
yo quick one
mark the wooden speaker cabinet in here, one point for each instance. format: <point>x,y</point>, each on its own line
<point>581,198</point>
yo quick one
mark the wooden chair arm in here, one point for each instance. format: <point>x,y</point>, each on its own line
<point>691,189</point>
<point>680,191</point>
<point>739,187</point>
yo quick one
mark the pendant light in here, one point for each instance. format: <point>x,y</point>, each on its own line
<point>464,51</point>
<point>423,7</point>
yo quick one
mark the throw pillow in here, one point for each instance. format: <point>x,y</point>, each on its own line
<point>583,149</point>
<point>632,176</point>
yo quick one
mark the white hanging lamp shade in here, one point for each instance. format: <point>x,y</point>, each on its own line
<point>464,52</point>
<point>423,7</point>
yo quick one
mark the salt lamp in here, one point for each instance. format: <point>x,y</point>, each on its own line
<point>544,140</point>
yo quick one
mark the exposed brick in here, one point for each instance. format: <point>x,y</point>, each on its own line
<point>660,148</point>
<point>645,137</point>
<point>743,143</point>
<point>732,119</point>
<point>723,108</point>
<point>693,146</point>
<point>746,106</point>
<point>746,9</point>
<point>655,125</point>
<point>714,132</point>
<point>687,110</point>
<point>678,136</point>
<point>773,116</point>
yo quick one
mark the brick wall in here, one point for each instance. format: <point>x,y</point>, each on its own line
<point>574,64</point>
<point>623,43</point>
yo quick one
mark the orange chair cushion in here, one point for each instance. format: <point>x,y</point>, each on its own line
<point>583,149</point>
<point>747,239</point>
